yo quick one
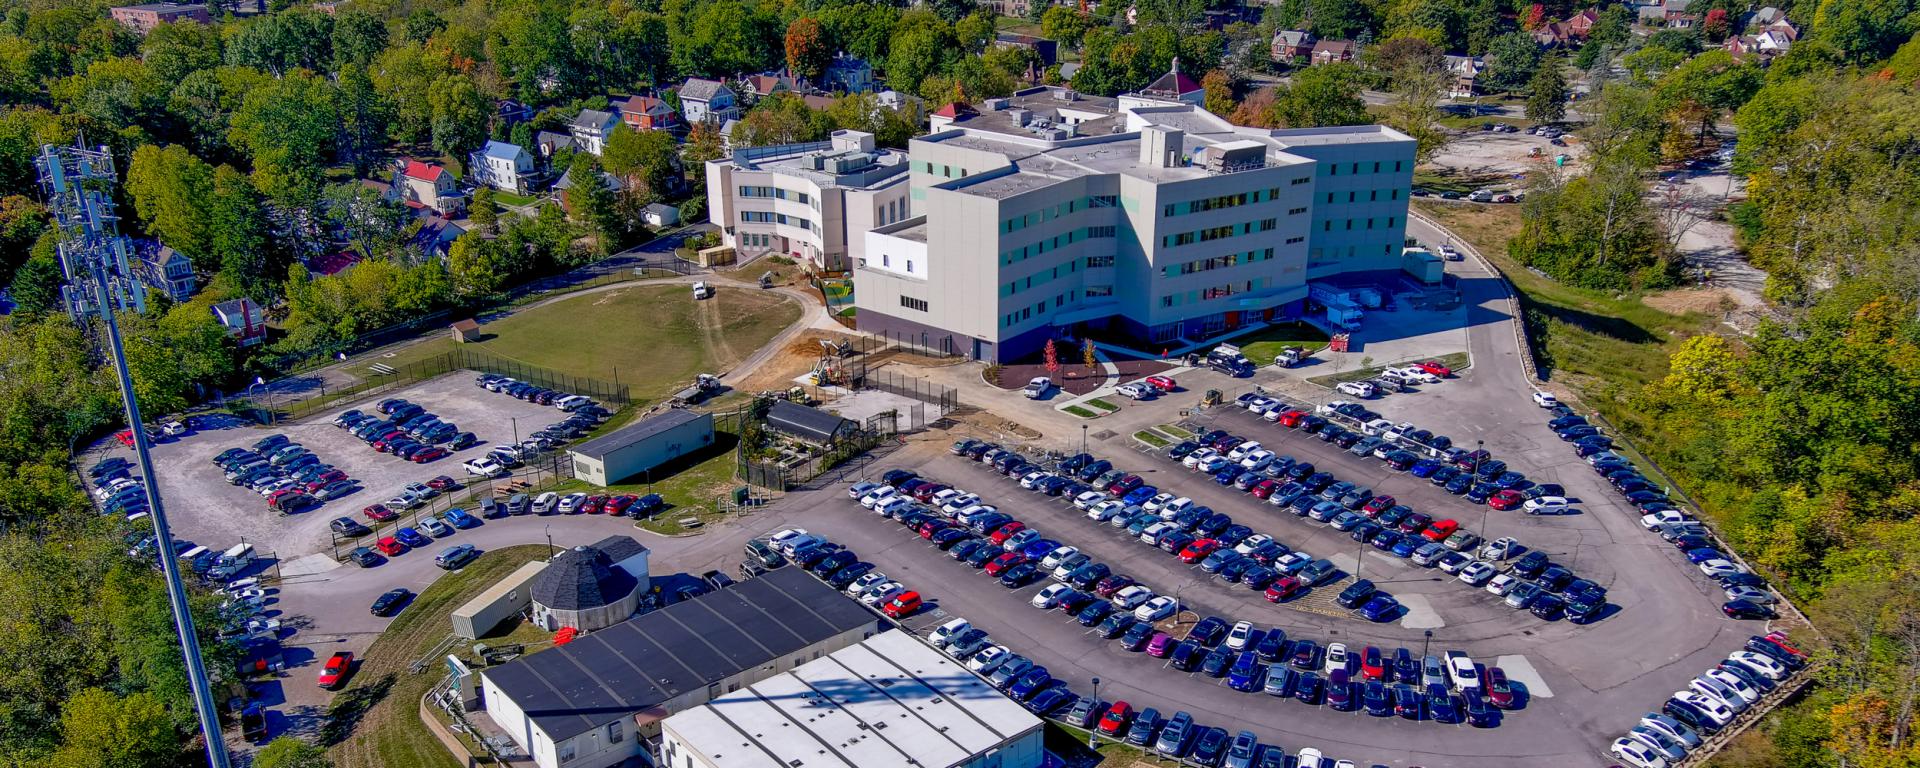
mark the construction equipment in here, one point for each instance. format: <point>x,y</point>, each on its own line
<point>1291,356</point>
<point>841,348</point>
<point>1211,398</point>
<point>704,386</point>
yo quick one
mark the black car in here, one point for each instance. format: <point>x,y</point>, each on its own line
<point>1308,688</point>
<point>1115,625</point>
<point>1094,613</point>
<point>1181,449</point>
<point>1018,576</point>
<point>390,602</point>
<point>1215,665</point>
<point>1356,593</point>
<point>1137,636</point>
<point>833,562</point>
<point>964,549</point>
<point>946,538</point>
<point>1186,655</point>
<point>1530,564</point>
<point>1305,655</point>
<point>1210,747</point>
<point>840,578</point>
<point>1145,726</point>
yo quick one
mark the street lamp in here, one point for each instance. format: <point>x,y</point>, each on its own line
<point>1478,446</point>
<point>1083,438</point>
<point>1093,739</point>
<point>1428,640</point>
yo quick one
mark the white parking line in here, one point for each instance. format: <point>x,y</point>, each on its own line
<point>1420,613</point>
<point>1521,671</point>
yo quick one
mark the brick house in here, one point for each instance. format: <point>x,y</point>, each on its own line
<point>143,18</point>
<point>647,113</point>
<point>1330,51</point>
<point>421,184</point>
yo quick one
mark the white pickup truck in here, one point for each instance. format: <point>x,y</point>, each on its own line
<point>1037,388</point>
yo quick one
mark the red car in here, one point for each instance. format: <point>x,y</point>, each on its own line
<point>1434,367</point>
<point>1377,505</point>
<point>1286,588</point>
<point>901,605</point>
<point>618,504</point>
<point>1264,488</point>
<point>379,513</point>
<point>430,454</point>
<point>1499,691</point>
<point>1507,499</point>
<point>1440,529</point>
<point>1164,384</point>
<point>1003,562</point>
<point>125,437</point>
<point>390,546</point>
<point>443,483</point>
<point>1115,721</point>
<point>1006,532</point>
<point>931,527</point>
<point>1373,665</point>
<point>334,674</point>
<point>1198,550</point>
<point>330,476</point>
<point>925,493</point>
<point>1779,640</point>
<point>1291,419</point>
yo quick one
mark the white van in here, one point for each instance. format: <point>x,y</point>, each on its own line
<point>231,562</point>
<point>701,291</point>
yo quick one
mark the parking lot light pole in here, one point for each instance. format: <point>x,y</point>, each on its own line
<point>1083,438</point>
<point>1093,735</point>
<point>1425,642</point>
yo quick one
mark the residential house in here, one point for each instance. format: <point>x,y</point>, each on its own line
<point>1014,8</point>
<point>896,101</point>
<point>1552,34</point>
<point>435,236</point>
<point>546,143</point>
<point>1776,40</point>
<point>1292,45</point>
<point>764,85</point>
<point>330,7</point>
<point>1580,25</point>
<point>847,74</point>
<point>647,113</point>
<point>1046,50</point>
<point>1465,76</point>
<point>510,112</point>
<point>243,319</point>
<point>660,215</point>
<point>565,183</point>
<point>1668,14</point>
<point>1766,17</point>
<point>143,18</point>
<point>591,128</point>
<point>165,270</point>
<point>421,184</point>
<point>503,166</point>
<point>1330,51</point>
<point>708,101</point>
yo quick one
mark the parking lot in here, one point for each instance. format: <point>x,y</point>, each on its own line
<point>203,508</point>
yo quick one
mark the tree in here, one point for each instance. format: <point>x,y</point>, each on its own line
<point>645,158</point>
<point>808,52</point>
<point>172,192</point>
<point>1339,19</point>
<point>475,266</point>
<point>460,115</point>
<point>1716,26</point>
<point>1547,92</point>
<point>101,730</point>
<point>363,119</point>
<point>727,38</point>
<point>974,32</point>
<point>237,227</point>
<point>291,752</point>
<point>917,53</point>
<point>1405,56</point>
<point>1064,24</point>
<point>358,37</point>
<point>287,127</point>
<point>1324,95</point>
<point>280,43</point>
<point>1219,93</point>
<point>174,51</point>
<point>484,212</point>
<point>1512,60</point>
<point>782,118</point>
<point>36,286</point>
<point>1417,85</point>
<point>590,200</point>
<point>22,221</point>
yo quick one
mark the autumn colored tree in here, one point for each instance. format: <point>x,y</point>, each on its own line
<point>1053,358</point>
<point>1219,93</point>
<point>1715,26</point>
<point>1087,355</point>
<point>1536,15</point>
<point>807,50</point>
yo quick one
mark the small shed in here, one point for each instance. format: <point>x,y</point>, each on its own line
<point>659,215</point>
<point>1423,265</point>
<point>809,424</point>
<point>507,598</point>
<point>717,256</point>
<point>465,331</point>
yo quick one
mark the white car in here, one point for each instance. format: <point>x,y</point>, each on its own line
<point>1310,758</point>
<point>1049,598</point>
<point>1356,388</point>
<point>571,502</point>
<point>1461,672</point>
<point>990,659</point>
<point>940,499</point>
<point>861,584</point>
<point>1745,689</point>
<point>1240,635</point>
<point>484,467</point>
<point>1256,461</point>
<point>1336,657</point>
<point>1057,556</point>
<point>1545,399</point>
<point>945,633</point>
<point>1259,404</point>
<point>877,495</point>
<point>1719,713</point>
<point>1761,663</point>
<point>1251,543</point>
<point>1136,391</point>
<point>1151,535</point>
<point>1177,506</point>
<point>1411,373</point>
<point>960,503</point>
<point>1032,479</point>
<point>1500,548</point>
<point>1199,456</point>
<point>1717,568</point>
<point>1242,450</point>
<point>1132,597</point>
<point>1751,595</point>
<point>1636,754</point>
<point>1037,387</point>
<point>1652,522</point>
<point>1399,430</point>
<point>1451,253</point>
<point>1089,499</point>
<point>1376,428</point>
<point>1156,609</point>
<point>1712,691</point>
<point>1666,747</point>
<point>786,540</point>
<point>1502,584</point>
<point>1159,500</point>
<point>892,507</point>
<point>1546,504</point>
<point>1453,565</point>
<point>1476,574</point>
<point>1105,510</point>
<point>880,593</point>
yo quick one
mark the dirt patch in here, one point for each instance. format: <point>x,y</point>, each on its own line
<point>797,357</point>
<point>989,425</point>
<point>1680,301</point>
<point>1074,378</point>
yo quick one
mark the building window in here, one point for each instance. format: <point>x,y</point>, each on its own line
<point>1305,179</point>
<point>909,266</point>
<point>1391,220</point>
<point>1296,211</point>
<point>1098,291</point>
<point>1099,261</point>
<point>563,752</point>
<point>885,260</point>
<point>1396,195</point>
<point>1292,240</point>
<point>914,304</point>
<point>615,734</point>
<point>1353,196</point>
<point>1100,231</point>
<point>1329,197</point>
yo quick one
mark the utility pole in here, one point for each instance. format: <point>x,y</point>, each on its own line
<point>78,184</point>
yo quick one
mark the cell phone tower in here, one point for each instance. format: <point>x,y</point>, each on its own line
<point>79,184</point>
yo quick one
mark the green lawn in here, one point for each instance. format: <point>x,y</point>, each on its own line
<point>509,198</point>
<point>1103,405</point>
<point>1150,437</point>
<point>375,722</point>
<point>653,338</point>
<point>1264,345</point>
<point>1080,412</point>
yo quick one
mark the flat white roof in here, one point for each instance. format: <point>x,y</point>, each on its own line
<point>887,701</point>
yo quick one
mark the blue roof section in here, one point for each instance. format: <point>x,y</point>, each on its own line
<point>502,150</point>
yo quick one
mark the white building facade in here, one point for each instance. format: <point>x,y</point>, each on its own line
<point>810,201</point>
<point>1057,215</point>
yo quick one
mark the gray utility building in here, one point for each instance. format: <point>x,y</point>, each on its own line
<point>639,447</point>
<point>809,424</point>
<point>590,703</point>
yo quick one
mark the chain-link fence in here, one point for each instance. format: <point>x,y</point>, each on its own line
<point>907,386</point>
<point>296,397</point>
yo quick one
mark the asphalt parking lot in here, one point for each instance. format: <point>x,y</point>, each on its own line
<point>1584,682</point>
<point>203,508</point>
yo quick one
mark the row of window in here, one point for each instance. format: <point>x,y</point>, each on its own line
<point>1373,196</point>
<point>1040,307</point>
<point>1220,232</point>
<point>937,169</point>
<point>1333,169</point>
<point>886,260</point>
<point>1041,278</point>
<point>1064,209</point>
<point>776,193</point>
<point>1054,243</point>
<point>1218,262</point>
<point>1227,201</point>
<point>914,304</point>
<point>1216,292</point>
<point>751,240</point>
<point>1327,226</point>
<point>769,217</point>
<point>891,211</point>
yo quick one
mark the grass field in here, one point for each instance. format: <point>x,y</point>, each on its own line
<point>1601,343</point>
<point>653,338</point>
<point>1264,345</point>
<point>1151,437</point>
<point>375,722</point>
<point>1079,411</point>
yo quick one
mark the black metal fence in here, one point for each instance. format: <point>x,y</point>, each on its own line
<point>924,391</point>
<point>757,469</point>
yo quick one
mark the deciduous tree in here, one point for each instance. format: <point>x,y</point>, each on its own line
<point>808,51</point>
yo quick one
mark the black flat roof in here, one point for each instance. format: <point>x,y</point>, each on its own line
<point>650,659</point>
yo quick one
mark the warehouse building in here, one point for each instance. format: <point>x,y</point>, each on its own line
<point>507,598</point>
<point>592,702</point>
<point>888,701</point>
<point>640,447</point>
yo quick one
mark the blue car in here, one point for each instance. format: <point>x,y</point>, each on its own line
<point>1380,608</point>
<point>1029,683</point>
<point>1246,674</point>
<point>412,538</point>
<point>1039,548</point>
<point>1459,484</point>
<point>1228,475</point>
<point>1301,506</point>
<point>1406,545</point>
<point>1440,706</point>
<point>460,519</point>
<point>1510,480</point>
<point>1424,468</point>
<point>1050,700</point>
<point>1140,495</point>
<point>1703,554</point>
<point>1386,540</point>
<point>1376,699</point>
